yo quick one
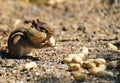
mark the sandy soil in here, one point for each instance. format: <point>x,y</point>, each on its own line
<point>76,23</point>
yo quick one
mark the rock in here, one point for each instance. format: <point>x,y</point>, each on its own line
<point>29,66</point>
<point>77,60</point>
<point>105,74</point>
<point>67,60</point>
<point>99,61</point>
<point>78,76</point>
<point>113,64</point>
<point>74,66</point>
<point>88,65</point>
<point>82,70</point>
<point>102,66</point>
<point>95,70</point>
<point>91,65</point>
<point>112,47</point>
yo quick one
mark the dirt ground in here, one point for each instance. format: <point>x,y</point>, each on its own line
<point>76,23</point>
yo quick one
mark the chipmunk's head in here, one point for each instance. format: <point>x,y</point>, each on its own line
<point>42,32</point>
<point>43,27</point>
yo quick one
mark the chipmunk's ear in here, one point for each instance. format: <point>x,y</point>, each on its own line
<point>38,20</point>
<point>34,24</point>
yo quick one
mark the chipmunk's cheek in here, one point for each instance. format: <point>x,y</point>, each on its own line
<point>52,41</point>
<point>36,34</point>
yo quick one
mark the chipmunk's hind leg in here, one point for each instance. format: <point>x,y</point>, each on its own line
<point>16,52</point>
<point>16,49</point>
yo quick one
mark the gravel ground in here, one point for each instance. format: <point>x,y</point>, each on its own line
<point>76,23</point>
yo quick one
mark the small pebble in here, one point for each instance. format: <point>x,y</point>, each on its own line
<point>37,73</point>
<point>28,78</point>
<point>113,64</point>
<point>103,66</point>
<point>78,76</point>
<point>67,60</point>
<point>82,70</point>
<point>14,71</point>
<point>85,50</point>
<point>112,47</point>
<point>99,61</point>
<point>74,66</point>
<point>88,64</point>
<point>95,70</point>
<point>30,65</point>
<point>77,60</point>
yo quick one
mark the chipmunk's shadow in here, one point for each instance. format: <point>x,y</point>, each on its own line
<point>4,54</point>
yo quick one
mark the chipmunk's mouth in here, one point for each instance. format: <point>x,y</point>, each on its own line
<point>49,42</point>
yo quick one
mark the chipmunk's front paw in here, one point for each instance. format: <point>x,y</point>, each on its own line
<point>51,41</point>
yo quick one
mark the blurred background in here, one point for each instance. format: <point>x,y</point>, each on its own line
<point>76,23</point>
<point>100,17</point>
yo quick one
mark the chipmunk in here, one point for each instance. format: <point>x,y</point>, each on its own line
<point>23,40</point>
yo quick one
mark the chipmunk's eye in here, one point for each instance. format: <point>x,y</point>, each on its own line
<point>41,28</point>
